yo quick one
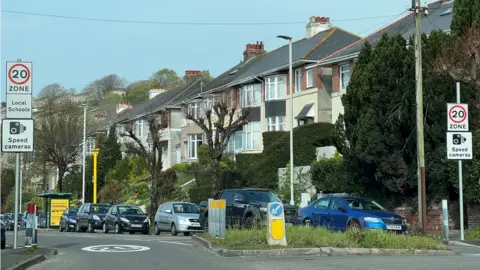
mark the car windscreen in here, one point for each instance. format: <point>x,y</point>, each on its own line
<point>365,204</point>
<point>130,210</point>
<point>99,209</point>
<point>185,208</point>
<point>72,212</point>
<point>259,196</point>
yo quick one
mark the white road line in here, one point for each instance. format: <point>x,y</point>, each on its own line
<point>176,243</point>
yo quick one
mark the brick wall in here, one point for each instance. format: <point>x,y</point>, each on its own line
<point>434,219</point>
<point>335,78</point>
<point>473,216</point>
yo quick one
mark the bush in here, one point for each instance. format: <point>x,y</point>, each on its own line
<point>271,137</point>
<point>307,139</point>
<point>181,167</point>
<point>300,236</point>
<point>473,234</point>
<point>246,161</point>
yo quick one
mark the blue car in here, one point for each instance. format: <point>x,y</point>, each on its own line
<point>347,212</point>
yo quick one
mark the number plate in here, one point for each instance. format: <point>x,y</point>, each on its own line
<point>394,227</point>
<point>195,224</point>
<point>136,225</point>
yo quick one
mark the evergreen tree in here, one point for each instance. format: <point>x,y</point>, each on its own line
<point>466,13</point>
<point>108,155</point>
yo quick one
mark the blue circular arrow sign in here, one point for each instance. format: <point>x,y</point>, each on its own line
<point>276,209</point>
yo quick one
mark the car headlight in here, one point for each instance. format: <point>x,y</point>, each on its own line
<point>182,220</point>
<point>95,217</point>
<point>72,221</point>
<point>372,219</point>
<point>124,220</point>
<point>146,220</point>
<point>263,209</point>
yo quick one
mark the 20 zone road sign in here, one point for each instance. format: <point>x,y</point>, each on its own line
<point>457,117</point>
<point>19,78</point>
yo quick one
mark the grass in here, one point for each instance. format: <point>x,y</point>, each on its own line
<point>473,234</point>
<point>303,237</point>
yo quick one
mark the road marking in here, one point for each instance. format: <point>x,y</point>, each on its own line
<point>176,243</point>
<point>115,248</point>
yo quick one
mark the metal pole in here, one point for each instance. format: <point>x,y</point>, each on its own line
<point>422,205</point>
<point>84,150</point>
<point>445,219</point>
<point>460,181</point>
<point>17,190</point>
<point>21,183</point>
<point>290,82</point>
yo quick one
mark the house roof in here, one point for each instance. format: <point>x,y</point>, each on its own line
<point>439,17</point>
<point>306,50</point>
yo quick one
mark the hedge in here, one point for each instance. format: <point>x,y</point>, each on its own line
<point>229,178</point>
<point>245,161</point>
<point>270,137</point>
<point>306,139</point>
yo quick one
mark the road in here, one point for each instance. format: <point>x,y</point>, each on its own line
<point>168,252</point>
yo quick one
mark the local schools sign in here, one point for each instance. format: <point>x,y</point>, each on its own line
<point>459,145</point>
<point>17,135</point>
<point>19,106</point>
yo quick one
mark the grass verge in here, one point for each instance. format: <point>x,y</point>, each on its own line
<point>473,234</point>
<point>304,237</point>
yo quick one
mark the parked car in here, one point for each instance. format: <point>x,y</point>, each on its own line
<point>203,206</point>
<point>177,217</point>
<point>68,220</point>
<point>247,208</point>
<point>344,212</point>
<point>126,218</point>
<point>4,237</point>
<point>90,216</point>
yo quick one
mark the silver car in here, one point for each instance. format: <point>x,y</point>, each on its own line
<point>177,217</point>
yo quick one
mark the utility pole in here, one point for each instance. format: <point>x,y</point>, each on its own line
<point>422,200</point>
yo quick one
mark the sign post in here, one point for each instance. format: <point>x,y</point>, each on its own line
<point>18,126</point>
<point>276,224</point>
<point>459,144</point>
<point>95,155</point>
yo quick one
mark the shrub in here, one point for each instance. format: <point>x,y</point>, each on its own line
<point>271,137</point>
<point>181,167</point>
<point>307,139</point>
<point>246,161</point>
<point>300,236</point>
<point>473,234</point>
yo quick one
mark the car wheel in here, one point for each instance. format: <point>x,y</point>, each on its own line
<point>117,229</point>
<point>307,222</point>
<point>90,228</point>
<point>186,233</point>
<point>4,244</point>
<point>157,230</point>
<point>205,225</point>
<point>353,225</point>
<point>61,227</point>
<point>131,232</point>
<point>174,229</point>
<point>251,223</point>
<point>105,229</point>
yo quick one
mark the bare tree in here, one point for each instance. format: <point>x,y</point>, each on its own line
<point>459,57</point>
<point>59,131</point>
<point>219,119</point>
<point>153,154</point>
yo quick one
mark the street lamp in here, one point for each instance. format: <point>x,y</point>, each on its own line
<point>290,85</point>
<point>84,149</point>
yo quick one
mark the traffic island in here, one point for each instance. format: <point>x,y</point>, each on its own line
<point>19,259</point>
<point>308,241</point>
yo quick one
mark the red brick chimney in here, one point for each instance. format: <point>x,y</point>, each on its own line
<point>253,50</point>
<point>191,75</point>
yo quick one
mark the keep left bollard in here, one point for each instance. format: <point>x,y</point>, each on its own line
<point>29,225</point>
<point>35,226</point>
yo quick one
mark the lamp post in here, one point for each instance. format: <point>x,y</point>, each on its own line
<point>290,86</point>
<point>84,149</point>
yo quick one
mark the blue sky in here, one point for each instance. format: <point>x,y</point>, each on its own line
<point>76,52</point>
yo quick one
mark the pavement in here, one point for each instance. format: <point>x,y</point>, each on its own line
<point>146,252</point>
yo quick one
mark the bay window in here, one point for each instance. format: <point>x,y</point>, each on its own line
<point>275,87</point>
<point>250,95</point>
<point>276,123</point>
<point>344,76</point>
<point>309,75</point>
<point>194,142</point>
<point>298,80</point>
<point>251,136</point>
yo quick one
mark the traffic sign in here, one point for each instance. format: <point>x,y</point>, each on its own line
<point>276,209</point>
<point>19,78</point>
<point>457,117</point>
<point>17,135</point>
<point>459,145</point>
<point>19,106</point>
<point>276,224</point>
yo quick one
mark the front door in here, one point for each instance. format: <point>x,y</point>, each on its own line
<point>338,219</point>
<point>320,212</point>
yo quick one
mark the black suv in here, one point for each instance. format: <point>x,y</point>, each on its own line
<point>247,207</point>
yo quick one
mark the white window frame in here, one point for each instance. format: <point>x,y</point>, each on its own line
<point>344,69</point>
<point>298,80</point>
<point>309,76</point>
<point>251,136</point>
<point>251,95</point>
<point>235,143</point>
<point>275,123</point>
<point>272,90</point>
<point>194,109</point>
<point>194,142</point>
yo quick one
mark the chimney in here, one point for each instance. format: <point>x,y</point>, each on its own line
<point>317,25</point>
<point>156,90</point>
<point>122,106</point>
<point>192,75</point>
<point>253,50</point>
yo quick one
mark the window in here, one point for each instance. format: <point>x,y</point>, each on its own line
<point>307,120</point>
<point>344,76</point>
<point>321,204</point>
<point>235,143</point>
<point>194,109</point>
<point>251,134</point>
<point>338,203</point>
<point>275,87</point>
<point>227,195</point>
<point>186,208</point>
<point>251,95</point>
<point>309,74</point>
<point>276,123</point>
<point>298,80</point>
<point>194,142</point>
